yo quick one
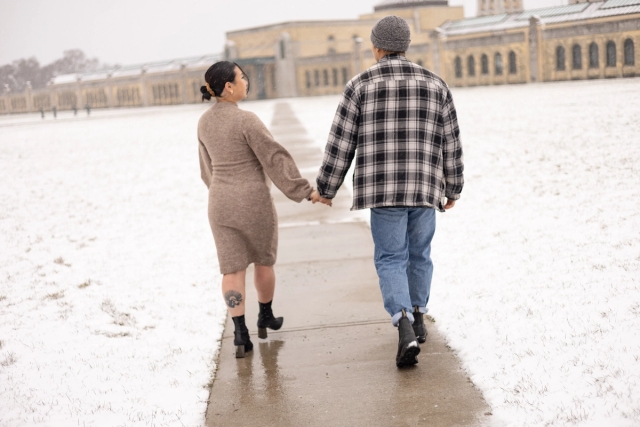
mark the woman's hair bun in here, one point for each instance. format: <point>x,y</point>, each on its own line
<point>205,93</point>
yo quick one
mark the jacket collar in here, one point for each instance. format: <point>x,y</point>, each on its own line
<point>391,57</point>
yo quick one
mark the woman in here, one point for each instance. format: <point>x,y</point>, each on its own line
<point>237,154</point>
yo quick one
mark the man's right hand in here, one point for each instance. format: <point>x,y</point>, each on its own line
<point>315,198</point>
<point>450,203</point>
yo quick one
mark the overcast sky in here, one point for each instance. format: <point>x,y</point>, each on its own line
<point>134,31</point>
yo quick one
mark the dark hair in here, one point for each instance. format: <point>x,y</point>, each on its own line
<point>218,75</point>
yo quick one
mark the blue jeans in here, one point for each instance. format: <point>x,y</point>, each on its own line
<point>402,238</point>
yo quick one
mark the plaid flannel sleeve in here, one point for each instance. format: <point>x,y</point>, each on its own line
<point>452,150</point>
<point>341,144</point>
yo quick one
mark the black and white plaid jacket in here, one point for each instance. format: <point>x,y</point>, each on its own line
<point>399,121</point>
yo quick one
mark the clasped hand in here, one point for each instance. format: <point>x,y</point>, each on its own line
<point>315,198</point>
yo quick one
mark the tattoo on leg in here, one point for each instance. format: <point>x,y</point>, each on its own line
<point>233,298</point>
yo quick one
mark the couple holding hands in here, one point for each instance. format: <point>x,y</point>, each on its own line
<point>399,122</point>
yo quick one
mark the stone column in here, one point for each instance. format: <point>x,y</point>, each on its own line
<point>143,81</point>
<point>261,81</point>
<point>286,79</point>
<point>109,86</point>
<point>357,55</point>
<point>53,101</point>
<point>7,98</point>
<point>79,101</point>
<point>29,97</point>
<point>230,51</point>
<point>535,69</point>
<point>183,81</point>
<point>482,8</point>
<point>436,37</point>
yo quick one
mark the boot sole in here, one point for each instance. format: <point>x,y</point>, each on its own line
<point>408,355</point>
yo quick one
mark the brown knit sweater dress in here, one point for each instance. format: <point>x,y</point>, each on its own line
<point>238,156</point>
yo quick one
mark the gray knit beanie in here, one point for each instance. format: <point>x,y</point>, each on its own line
<point>392,34</point>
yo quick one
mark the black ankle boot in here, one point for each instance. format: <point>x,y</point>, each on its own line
<point>418,325</point>
<point>241,337</point>
<point>266,320</point>
<point>408,347</point>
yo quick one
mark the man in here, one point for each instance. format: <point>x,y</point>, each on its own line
<point>399,121</point>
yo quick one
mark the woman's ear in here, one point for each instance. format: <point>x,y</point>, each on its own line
<point>228,87</point>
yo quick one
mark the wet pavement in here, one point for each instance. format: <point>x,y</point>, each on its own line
<point>333,362</point>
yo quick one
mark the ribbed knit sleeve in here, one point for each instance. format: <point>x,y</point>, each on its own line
<point>275,159</point>
<point>205,164</point>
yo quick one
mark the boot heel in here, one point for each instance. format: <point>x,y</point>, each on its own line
<point>241,339</point>
<point>267,320</point>
<point>240,351</point>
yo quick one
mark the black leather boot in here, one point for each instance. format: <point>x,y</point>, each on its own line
<point>408,348</point>
<point>418,325</point>
<point>241,337</point>
<point>266,320</point>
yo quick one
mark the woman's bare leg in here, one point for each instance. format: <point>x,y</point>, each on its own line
<point>265,281</point>
<point>233,291</point>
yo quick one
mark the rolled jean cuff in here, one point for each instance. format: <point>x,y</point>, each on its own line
<point>423,310</point>
<point>395,319</point>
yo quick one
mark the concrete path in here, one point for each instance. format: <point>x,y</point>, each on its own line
<point>333,362</point>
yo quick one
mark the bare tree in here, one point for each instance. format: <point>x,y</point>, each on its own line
<point>21,71</point>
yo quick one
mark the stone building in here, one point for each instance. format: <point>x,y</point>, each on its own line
<point>494,7</point>
<point>160,83</point>
<point>503,45</point>
<point>319,57</point>
<point>584,40</point>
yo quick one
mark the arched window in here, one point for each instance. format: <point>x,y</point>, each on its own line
<point>335,77</point>
<point>458,66</point>
<point>484,60</point>
<point>471,66</point>
<point>499,66</point>
<point>576,56</point>
<point>331,39</point>
<point>629,53</point>
<point>316,77</point>
<point>325,77</point>
<point>283,49</point>
<point>611,54</point>
<point>513,64</point>
<point>560,61</point>
<point>594,56</point>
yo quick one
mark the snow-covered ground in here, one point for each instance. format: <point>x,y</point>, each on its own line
<point>109,291</point>
<point>537,268</point>
<point>537,281</point>
<point>110,312</point>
